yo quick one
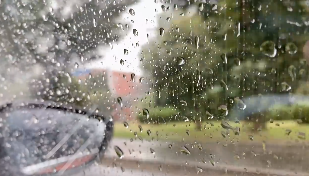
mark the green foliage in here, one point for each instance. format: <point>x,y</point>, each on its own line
<point>160,115</point>
<point>295,112</point>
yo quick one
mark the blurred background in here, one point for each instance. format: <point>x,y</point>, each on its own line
<point>228,78</point>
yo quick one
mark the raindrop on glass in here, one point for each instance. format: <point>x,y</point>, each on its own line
<point>125,51</point>
<point>141,79</point>
<point>185,150</point>
<point>199,169</point>
<point>126,124</point>
<point>148,132</point>
<point>183,103</point>
<point>152,151</point>
<point>180,61</point>
<point>161,30</point>
<point>240,104</point>
<point>251,137</point>
<point>285,86</point>
<point>268,48</point>
<point>223,109</point>
<point>291,48</point>
<point>132,12</point>
<point>119,101</point>
<point>301,135</point>
<point>140,128</point>
<point>76,65</point>
<point>146,113</point>
<point>226,125</point>
<point>237,131</point>
<point>119,152</point>
<point>121,62</point>
<point>201,7</point>
<point>135,32</point>
<point>133,77</point>
<point>223,85</point>
<point>197,42</point>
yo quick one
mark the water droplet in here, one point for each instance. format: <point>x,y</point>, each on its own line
<point>237,62</point>
<point>126,124</point>
<point>135,32</point>
<point>273,71</point>
<point>288,131</point>
<point>121,62</point>
<point>212,163</point>
<point>214,7</point>
<point>94,21</point>
<point>175,6</point>
<point>152,151</point>
<point>140,128</point>
<point>163,8</point>
<point>224,58</point>
<point>292,72</point>
<point>223,85</point>
<point>185,150</point>
<point>224,134</point>
<point>132,12</point>
<point>201,7</point>
<point>122,169</point>
<point>119,152</point>
<point>237,131</point>
<point>161,31</point>
<point>240,104</point>
<point>223,109</point>
<point>76,65</point>
<point>302,72</point>
<point>141,79</point>
<point>302,135</point>
<point>170,146</point>
<point>251,137</point>
<point>199,169</point>
<point>209,116</point>
<point>180,61</point>
<point>148,132</point>
<point>132,77</point>
<point>119,101</point>
<point>125,51</point>
<point>183,103</point>
<point>285,86</point>
<point>291,48</point>
<point>188,132</point>
<point>226,125</point>
<point>146,113</point>
<point>197,42</point>
<point>268,48</point>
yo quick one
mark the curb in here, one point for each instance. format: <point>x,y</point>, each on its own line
<point>206,167</point>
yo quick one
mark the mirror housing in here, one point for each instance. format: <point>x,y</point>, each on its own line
<point>49,138</point>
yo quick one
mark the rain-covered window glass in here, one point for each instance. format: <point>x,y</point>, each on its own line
<point>154,87</point>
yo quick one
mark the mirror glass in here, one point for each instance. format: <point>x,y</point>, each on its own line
<point>41,140</point>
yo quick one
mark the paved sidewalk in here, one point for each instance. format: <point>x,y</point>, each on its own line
<point>288,160</point>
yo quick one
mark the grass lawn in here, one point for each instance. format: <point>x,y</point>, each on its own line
<point>276,132</point>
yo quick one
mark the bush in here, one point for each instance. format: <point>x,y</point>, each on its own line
<point>294,112</point>
<point>280,113</point>
<point>301,112</point>
<point>159,115</point>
